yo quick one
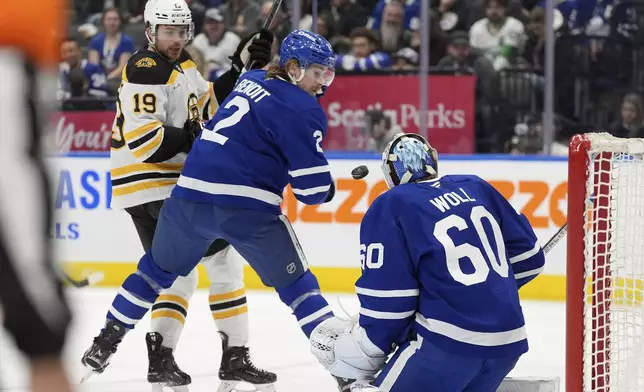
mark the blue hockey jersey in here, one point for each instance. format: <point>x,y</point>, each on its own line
<point>265,135</point>
<point>96,80</point>
<point>445,258</point>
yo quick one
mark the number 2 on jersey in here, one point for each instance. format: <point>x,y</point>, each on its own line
<point>242,106</point>
<point>456,253</point>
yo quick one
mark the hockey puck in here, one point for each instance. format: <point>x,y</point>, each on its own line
<point>359,172</point>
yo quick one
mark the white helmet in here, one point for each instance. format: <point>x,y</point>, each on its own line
<point>167,12</point>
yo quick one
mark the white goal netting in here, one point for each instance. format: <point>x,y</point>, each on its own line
<point>613,343</point>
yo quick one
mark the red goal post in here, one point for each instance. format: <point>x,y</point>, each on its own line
<point>605,265</point>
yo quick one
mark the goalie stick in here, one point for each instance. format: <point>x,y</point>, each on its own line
<point>554,240</point>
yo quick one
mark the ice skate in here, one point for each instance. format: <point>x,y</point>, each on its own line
<point>163,371</point>
<point>97,357</point>
<point>237,367</point>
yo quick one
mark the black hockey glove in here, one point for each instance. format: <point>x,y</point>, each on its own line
<point>331,193</point>
<point>257,47</point>
<point>194,128</point>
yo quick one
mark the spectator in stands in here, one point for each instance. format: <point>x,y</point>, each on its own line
<point>462,59</point>
<point>198,13</point>
<point>216,43</point>
<point>411,14</point>
<point>515,9</point>
<point>499,36</point>
<point>437,39</point>
<point>326,27</point>
<point>453,14</point>
<point>391,29</point>
<point>240,15</point>
<point>348,15</point>
<point>631,118</point>
<point>406,59</point>
<point>78,77</point>
<point>111,49</point>
<point>281,25</point>
<point>533,54</point>
<point>378,127</point>
<point>527,138</point>
<point>134,13</point>
<point>364,55</point>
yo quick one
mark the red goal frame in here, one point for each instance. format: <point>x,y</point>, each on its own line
<point>579,163</point>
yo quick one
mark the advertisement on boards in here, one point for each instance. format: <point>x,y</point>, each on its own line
<point>85,131</point>
<point>450,113</point>
<point>87,230</point>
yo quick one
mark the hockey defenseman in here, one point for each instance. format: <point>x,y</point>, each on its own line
<point>442,260</point>
<point>161,103</point>
<point>267,134</point>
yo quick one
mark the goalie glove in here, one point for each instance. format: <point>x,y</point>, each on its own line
<point>344,349</point>
<point>257,47</point>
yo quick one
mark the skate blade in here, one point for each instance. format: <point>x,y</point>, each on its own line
<point>159,388</point>
<point>89,372</point>
<point>242,386</point>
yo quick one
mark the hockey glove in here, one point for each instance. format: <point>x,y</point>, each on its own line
<point>194,128</point>
<point>257,47</point>
<point>344,349</point>
<point>331,193</point>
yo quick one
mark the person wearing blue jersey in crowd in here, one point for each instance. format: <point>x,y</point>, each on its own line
<point>442,259</point>
<point>92,79</point>
<point>266,134</point>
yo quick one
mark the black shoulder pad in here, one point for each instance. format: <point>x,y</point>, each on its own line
<point>148,67</point>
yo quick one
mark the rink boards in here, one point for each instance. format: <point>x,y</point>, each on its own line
<point>89,236</point>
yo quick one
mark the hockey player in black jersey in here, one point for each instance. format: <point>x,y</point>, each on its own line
<point>162,101</point>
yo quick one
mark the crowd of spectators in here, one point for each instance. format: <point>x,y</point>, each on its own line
<point>599,54</point>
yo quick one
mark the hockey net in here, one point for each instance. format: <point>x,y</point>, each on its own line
<point>605,265</point>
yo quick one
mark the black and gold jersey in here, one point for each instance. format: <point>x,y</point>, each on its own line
<point>154,93</point>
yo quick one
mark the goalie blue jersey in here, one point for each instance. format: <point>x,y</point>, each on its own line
<point>265,135</point>
<point>444,259</point>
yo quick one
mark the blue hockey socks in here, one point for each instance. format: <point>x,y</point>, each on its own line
<point>138,292</point>
<point>308,305</point>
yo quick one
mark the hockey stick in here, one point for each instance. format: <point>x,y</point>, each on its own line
<point>88,281</point>
<point>554,240</point>
<point>267,23</point>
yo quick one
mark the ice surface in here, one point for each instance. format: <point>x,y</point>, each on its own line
<point>277,344</point>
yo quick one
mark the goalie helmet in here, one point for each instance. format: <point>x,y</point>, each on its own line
<point>409,158</point>
<point>167,12</point>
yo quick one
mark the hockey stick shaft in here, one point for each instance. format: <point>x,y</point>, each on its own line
<point>554,240</point>
<point>267,23</point>
<point>90,280</point>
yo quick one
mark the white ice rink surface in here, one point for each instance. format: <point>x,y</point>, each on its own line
<point>277,344</point>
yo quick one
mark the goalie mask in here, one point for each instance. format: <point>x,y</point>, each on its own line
<point>409,158</point>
